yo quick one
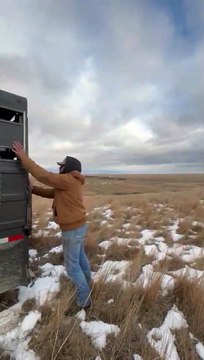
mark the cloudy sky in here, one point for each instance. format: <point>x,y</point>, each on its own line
<point>117,83</point>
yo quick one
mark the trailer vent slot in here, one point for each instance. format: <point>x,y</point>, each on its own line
<point>11,115</point>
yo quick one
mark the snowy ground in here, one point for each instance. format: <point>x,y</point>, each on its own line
<point>15,331</point>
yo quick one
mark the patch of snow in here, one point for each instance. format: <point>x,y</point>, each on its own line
<point>173,231</point>
<point>111,301</point>
<point>187,253</point>
<point>108,214</point>
<point>188,272</point>
<point>44,287</point>
<point>33,253</point>
<point>9,318</point>
<point>121,241</point>
<point>147,235</point>
<point>24,353</point>
<point>159,207</point>
<point>175,250</point>
<point>114,241</point>
<point>151,250</point>
<point>192,236</point>
<point>137,357</point>
<point>52,270</point>
<point>59,234</point>
<point>52,225</point>
<point>198,223</point>
<point>81,315</point>
<point>105,244</point>
<point>200,350</point>
<point>42,290</point>
<point>161,256</point>
<point>191,253</point>
<point>167,283</point>
<point>101,255</point>
<point>98,331</point>
<point>99,208</point>
<point>43,233</point>
<point>162,338</point>
<point>104,222</point>
<point>16,341</point>
<point>175,319</point>
<point>29,322</point>
<point>148,277</point>
<point>126,226</point>
<point>111,270</point>
<point>163,247</point>
<point>159,239</point>
<point>56,250</point>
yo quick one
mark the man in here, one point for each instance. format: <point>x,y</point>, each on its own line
<point>69,212</point>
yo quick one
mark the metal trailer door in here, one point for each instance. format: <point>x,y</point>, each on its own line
<point>15,198</point>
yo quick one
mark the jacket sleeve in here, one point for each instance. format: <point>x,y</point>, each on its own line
<point>40,191</point>
<point>56,181</point>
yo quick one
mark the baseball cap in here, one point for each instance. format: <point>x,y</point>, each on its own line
<point>70,164</point>
<point>63,162</point>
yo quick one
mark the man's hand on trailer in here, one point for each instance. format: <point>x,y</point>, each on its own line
<point>17,148</point>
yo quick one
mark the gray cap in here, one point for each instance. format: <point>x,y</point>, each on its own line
<point>70,164</point>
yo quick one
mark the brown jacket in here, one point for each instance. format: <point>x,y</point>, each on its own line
<point>66,189</point>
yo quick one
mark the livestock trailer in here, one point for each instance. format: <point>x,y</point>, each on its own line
<point>15,196</point>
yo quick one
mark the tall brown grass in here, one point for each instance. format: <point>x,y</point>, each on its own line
<point>136,310</point>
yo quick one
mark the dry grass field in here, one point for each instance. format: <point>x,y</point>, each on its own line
<point>146,247</point>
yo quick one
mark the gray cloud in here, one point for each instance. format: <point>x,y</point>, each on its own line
<point>118,84</point>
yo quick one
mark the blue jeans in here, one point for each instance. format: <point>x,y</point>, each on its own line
<point>77,264</point>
